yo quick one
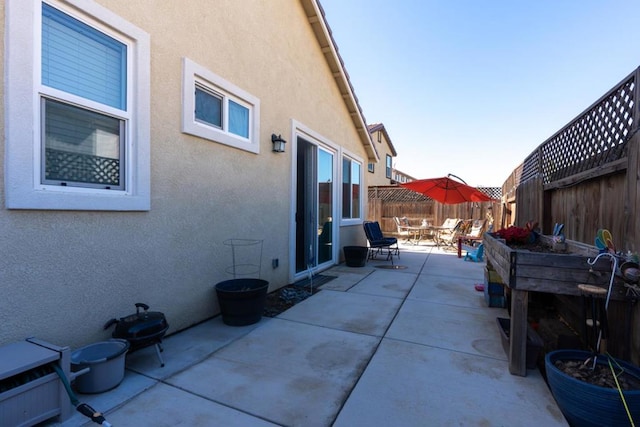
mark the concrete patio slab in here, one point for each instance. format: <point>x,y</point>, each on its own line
<point>286,372</point>
<point>375,347</point>
<point>164,405</point>
<point>390,283</point>
<point>132,385</point>
<point>415,385</point>
<point>449,290</point>
<point>347,279</point>
<point>183,350</point>
<point>350,311</point>
<point>456,328</point>
<point>449,265</point>
<point>301,348</point>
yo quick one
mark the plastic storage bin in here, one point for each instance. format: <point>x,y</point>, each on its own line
<point>106,363</point>
<point>493,289</point>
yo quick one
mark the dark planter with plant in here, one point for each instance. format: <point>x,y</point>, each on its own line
<point>242,301</point>
<point>590,405</point>
<point>355,256</point>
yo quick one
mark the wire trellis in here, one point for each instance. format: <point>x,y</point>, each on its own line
<point>246,257</point>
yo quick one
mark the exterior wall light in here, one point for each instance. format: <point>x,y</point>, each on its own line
<point>278,143</point>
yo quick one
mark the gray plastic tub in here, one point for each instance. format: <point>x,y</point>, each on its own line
<point>105,361</point>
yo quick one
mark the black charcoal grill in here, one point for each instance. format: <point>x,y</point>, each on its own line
<point>141,329</point>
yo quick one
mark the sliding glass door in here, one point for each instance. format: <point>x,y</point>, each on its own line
<point>314,206</point>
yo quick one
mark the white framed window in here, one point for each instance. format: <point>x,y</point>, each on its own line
<point>351,188</point>
<point>217,110</point>
<point>371,167</point>
<point>389,167</point>
<point>77,105</point>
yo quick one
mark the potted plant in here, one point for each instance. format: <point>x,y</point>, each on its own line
<point>355,256</point>
<point>242,300</point>
<point>593,390</point>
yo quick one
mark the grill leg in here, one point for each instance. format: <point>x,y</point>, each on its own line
<point>158,350</point>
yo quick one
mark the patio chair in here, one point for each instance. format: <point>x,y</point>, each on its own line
<point>378,242</point>
<point>449,231</point>
<point>402,227</point>
<point>475,234</point>
<point>476,254</point>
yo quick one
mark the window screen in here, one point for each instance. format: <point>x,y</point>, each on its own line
<point>81,60</point>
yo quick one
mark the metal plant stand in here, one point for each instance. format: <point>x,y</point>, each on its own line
<point>246,257</point>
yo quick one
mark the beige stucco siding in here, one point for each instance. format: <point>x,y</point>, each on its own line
<point>64,273</point>
<point>379,176</point>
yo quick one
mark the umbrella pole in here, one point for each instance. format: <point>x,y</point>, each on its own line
<point>456,176</point>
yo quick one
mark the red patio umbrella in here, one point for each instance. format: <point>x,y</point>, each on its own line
<point>446,190</point>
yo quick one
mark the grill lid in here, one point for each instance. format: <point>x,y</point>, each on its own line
<point>140,325</point>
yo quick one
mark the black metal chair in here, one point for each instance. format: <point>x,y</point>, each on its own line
<point>378,242</point>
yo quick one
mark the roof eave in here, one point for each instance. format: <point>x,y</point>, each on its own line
<point>379,127</point>
<point>320,27</point>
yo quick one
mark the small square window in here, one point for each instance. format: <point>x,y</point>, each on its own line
<point>208,107</point>
<point>238,119</point>
<point>217,110</point>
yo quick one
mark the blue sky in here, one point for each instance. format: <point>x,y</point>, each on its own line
<point>473,87</point>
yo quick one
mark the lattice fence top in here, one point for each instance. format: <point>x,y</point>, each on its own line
<point>595,138</point>
<point>530,167</point>
<point>493,192</point>
<point>393,193</point>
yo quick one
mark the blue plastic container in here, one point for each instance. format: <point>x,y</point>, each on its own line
<point>588,405</point>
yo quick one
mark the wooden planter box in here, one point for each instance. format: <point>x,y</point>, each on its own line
<point>557,273</point>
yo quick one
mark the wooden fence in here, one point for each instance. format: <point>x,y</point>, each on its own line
<point>387,202</point>
<point>586,177</point>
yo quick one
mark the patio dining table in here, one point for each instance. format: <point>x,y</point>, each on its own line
<point>417,232</point>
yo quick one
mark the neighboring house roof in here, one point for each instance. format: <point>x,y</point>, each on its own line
<point>405,174</point>
<point>375,127</point>
<point>315,14</point>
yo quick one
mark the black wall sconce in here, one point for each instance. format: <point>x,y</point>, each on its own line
<point>278,143</point>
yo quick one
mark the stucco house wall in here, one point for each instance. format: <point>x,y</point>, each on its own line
<point>384,147</point>
<point>63,273</point>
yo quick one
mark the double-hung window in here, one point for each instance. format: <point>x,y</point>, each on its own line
<point>83,104</point>
<point>217,110</point>
<point>351,188</point>
<point>389,167</point>
<point>89,110</point>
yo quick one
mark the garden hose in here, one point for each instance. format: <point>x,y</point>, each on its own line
<point>83,408</point>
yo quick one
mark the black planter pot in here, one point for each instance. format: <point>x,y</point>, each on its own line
<point>242,300</point>
<point>355,256</point>
<point>588,405</point>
